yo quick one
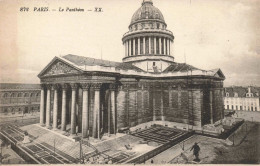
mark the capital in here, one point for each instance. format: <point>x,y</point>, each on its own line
<point>43,86</point>
<point>48,86</point>
<point>64,86</point>
<point>56,86</point>
<point>85,86</point>
<point>113,86</point>
<point>96,85</point>
<point>74,86</point>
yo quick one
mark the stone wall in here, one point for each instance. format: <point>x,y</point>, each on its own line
<point>180,104</point>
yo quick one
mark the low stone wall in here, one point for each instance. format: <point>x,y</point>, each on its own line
<point>142,158</point>
<point>21,152</point>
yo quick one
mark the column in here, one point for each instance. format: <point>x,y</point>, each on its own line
<point>96,113</point>
<point>143,45</point>
<point>154,47</point>
<point>164,46</point>
<point>138,45</point>
<point>113,105</point>
<point>160,46</point>
<point>42,106</point>
<point>63,109</point>
<point>130,47</point>
<point>150,45</point>
<point>210,107</point>
<point>168,44</point>
<point>74,88</point>
<point>85,111</point>
<point>48,107</point>
<point>125,48</point>
<point>134,46</point>
<point>55,106</point>
<point>127,51</point>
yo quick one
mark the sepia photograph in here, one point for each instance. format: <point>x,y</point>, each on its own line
<point>129,82</point>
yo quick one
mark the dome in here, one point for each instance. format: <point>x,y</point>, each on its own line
<point>147,11</point>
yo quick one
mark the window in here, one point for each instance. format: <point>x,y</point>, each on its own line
<point>232,107</point>
<point>228,107</point>
<point>235,95</point>
<point>5,111</point>
<point>158,25</point>
<point>19,94</point>
<point>153,63</point>
<point>227,94</point>
<point>236,108</point>
<point>241,108</point>
<point>26,95</point>
<point>5,95</point>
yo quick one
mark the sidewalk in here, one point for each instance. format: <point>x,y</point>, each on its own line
<point>10,157</point>
<point>173,154</point>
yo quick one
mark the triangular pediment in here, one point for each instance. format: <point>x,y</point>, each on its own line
<point>219,74</point>
<point>58,67</point>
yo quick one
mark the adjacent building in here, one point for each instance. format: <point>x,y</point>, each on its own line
<point>17,99</point>
<point>97,96</point>
<point>242,98</point>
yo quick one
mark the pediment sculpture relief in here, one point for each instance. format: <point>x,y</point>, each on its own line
<point>60,68</point>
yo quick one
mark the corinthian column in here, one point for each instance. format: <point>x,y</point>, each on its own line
<point>134,46</point>
<point>48,107</point>
<point>74,88</point>
<point>112,88</point>
<point>55,106</point>
<point>154,47</point>
<point>210,107</point>
<point>143,45</point>
<point>42,106</point>
<point>160,45</point>
<point>138,45</point>
<point>96,114</point>
<point>130,47</point>
<point>85,111</point>
<point>164,46</point>
<point>63,109</point>
<point>127,49</point>
<point>150,45</point>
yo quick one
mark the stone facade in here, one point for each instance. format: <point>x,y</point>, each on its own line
<point>97,96</point>
<point>17,99</point>
<point>242,98</point>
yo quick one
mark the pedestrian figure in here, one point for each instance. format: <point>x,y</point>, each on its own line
<point>151,161</point>
<point>196,150</point>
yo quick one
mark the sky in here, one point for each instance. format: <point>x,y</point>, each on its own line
<point>208,35</point>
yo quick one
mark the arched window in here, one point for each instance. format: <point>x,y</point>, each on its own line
<point>5,95</point>
<point>5,111</point>
<point>13,111</point>
<point>19,95</point>
<point>235,95</point>
<point>32,94</point>
<point>26,95</point>
<point>158,25</point>
<point>13,95</point>
<point>19,111</point>
<point>37,94</point>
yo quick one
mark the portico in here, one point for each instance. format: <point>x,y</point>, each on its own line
<point>75,104</point>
